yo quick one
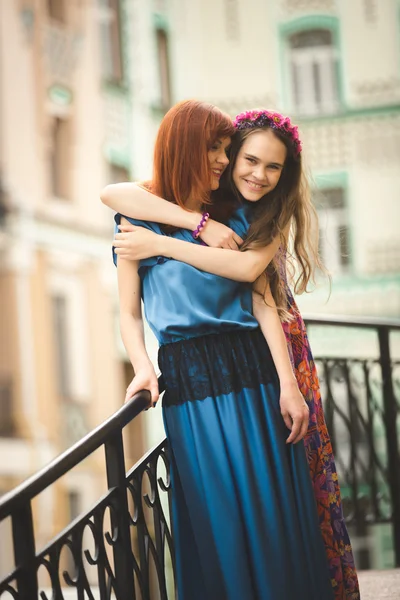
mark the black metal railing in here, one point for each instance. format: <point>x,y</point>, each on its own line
<point>361,399</point>
<point>134,560</point>
<point>133,557</point>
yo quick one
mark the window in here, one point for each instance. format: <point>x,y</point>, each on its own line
<point>334,229</point>
<point>69,306</point>
<point>111,41</point>
<point>118,174</point>
<point>163,68</point>
<point>7,422</point>
<point>56,10</point>
<point>61,344</point>
<point>59,162</point>
<point>3,203</point>
<point>313,64</point>
<point>74,509</point>
<point>74,504</point>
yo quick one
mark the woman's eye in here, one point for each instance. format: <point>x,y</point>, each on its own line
<point>251,160</point>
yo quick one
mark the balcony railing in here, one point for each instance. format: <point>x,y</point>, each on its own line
<point>361,399</point>
<point>134,559</point>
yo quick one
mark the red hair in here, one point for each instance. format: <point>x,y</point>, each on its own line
<point>181,165</point>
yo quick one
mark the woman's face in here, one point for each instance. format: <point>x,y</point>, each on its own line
<point>218,160</point>
<point>259,165</point>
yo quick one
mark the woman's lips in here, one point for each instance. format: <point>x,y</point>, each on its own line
<point>256,187</point>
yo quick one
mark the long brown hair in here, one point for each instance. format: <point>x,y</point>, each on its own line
<point>181,165</point>
<point>289,202</point>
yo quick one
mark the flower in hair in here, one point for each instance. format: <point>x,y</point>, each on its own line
<point>251,119</point>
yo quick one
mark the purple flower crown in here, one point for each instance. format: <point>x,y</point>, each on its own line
<point>252,119</point>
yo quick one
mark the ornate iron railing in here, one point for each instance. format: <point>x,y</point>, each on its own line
<point>361,399</point>
<point>135,559</point>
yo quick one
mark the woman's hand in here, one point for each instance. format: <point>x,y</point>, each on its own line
<point>135,243</point>
<point>295,411</point>
<point>145,379</point>
<point>218,235</point>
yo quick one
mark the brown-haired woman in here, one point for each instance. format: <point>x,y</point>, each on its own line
<point>244,515</point>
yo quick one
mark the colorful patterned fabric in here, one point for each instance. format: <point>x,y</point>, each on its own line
<point>321,462</point>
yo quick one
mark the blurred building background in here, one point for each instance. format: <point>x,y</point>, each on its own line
<point>83,87</point>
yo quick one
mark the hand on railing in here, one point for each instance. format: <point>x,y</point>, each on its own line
<point>145,379</point>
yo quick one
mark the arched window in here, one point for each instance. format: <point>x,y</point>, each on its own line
<point>313,64</point>
<point>334,239</point>
<point>56,10</point>
<point>60,156</point>
<point>111,42</point>
<point>163,68</point>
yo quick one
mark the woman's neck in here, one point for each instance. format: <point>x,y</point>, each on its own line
<point>194,204</point>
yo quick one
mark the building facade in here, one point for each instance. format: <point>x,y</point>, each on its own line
<point>66,124</point>
<point>334,67</point>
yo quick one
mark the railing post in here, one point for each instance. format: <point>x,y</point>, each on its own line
<point>24,552</point>
<point>361,531</point>
<point>390,420</point>
<point>123,560</point>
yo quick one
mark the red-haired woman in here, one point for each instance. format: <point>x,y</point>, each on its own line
<point>244,514</point>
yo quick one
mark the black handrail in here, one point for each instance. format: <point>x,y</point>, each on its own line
<point>118,579</point>
<point>38,482</point>
<point>350,321</point>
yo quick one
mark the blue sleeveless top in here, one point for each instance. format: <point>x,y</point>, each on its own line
<point>182,302</point>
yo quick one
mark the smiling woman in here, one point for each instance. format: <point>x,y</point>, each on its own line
<point>191,141</point>
<point>217,155</point>
<point>259,164</point>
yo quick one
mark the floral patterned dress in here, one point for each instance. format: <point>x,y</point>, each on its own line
<point>321,461</point>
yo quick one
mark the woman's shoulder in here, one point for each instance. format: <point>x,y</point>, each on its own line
<point>155,227</point>
<point>139,222</point>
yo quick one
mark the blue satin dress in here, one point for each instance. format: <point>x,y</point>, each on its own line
<point>244,517</point>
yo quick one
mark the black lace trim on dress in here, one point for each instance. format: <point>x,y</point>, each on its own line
<point>215,364</point>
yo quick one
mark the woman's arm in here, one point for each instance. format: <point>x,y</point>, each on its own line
<point>132,333</point>
<point>131,200</point>
<point>294,410</point>
<point>239,266</point>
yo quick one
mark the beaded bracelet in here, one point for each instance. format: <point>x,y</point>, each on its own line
<point>201,225</point>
